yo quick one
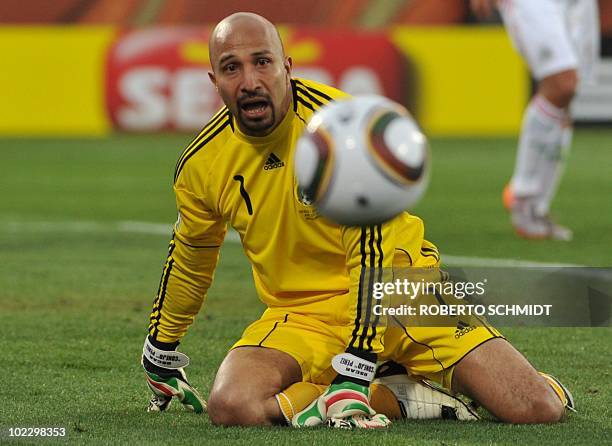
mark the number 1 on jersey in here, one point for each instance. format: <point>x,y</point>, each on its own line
<point>244,193</point>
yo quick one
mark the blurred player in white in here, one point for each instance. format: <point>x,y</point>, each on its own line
<point>559,40</point>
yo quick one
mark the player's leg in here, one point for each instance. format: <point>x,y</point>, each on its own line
<point>559,88</point>
<point>394,393</point>
<point>542,152</point>
<point>478,363</point>
<point>250,384</point>
<point>540,32</point>
<point>245,388</point>
<point>467,355</point>
<point>497,376</point>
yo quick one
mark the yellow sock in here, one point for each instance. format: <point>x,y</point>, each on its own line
<point>298,396</point>
<point>558,388</point>
<point>384,401</point>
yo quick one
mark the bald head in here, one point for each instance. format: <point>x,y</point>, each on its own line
<point>251,72</point>
<point>243,24</point>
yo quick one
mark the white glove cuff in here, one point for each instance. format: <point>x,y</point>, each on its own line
<point>347,364</point>
<point>164,358</point>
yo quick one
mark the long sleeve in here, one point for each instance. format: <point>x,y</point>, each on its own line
<point>189,267</point>
<point>369,257</point>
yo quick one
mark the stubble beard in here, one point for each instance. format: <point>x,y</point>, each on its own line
<point>259,127</point>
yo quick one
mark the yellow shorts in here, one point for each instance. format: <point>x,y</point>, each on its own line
<point>431,352</point>
<point>312,336</point>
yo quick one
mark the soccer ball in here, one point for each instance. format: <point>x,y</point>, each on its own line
<point>362,161</point>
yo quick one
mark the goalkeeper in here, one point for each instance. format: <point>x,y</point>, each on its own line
<point>312,355</point>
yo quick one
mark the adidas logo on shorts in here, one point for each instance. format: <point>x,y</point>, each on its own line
<point>462,328</point>
<point>273,162</point>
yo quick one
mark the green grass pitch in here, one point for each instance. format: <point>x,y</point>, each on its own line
<point>75,291</point>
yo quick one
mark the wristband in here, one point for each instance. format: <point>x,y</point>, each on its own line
<point>352,366</point>
<point>164,358</point>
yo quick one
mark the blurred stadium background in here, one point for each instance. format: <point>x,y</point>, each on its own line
<point>100,96</point>
<point>140,65</point>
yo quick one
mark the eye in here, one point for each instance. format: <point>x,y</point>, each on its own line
<point>230,68</point>
<point>262,61</point>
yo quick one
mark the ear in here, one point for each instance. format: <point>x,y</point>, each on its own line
<point>213,79</point>
<point>288,65</point>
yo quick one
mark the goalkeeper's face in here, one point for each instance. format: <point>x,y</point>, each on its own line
<point>251,72</point>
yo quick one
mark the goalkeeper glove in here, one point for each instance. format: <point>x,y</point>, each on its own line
<point>359,421</point>
<point>343,405</point>
<point>346,402</point>
<point>166,378</point>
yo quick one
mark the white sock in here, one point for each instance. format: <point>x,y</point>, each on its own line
<point>538,159</point>
<point>552,179</point>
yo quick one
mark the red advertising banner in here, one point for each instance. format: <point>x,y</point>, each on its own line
<point>156,78</point>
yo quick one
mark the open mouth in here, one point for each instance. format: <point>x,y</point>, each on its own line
<point>254,108</point>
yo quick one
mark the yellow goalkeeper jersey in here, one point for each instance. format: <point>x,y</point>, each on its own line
<point>300,261</point>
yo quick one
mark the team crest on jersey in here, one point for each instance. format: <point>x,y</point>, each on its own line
<point>306,210</point>
<point>303,198</point>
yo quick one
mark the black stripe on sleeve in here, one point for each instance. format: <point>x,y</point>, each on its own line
<point>379,278</point>
<point>161,293</point>
<point>381,255</point>
<point>231,121</point>
<point>207,128</point>
<point>295,96</point>
<point>360,287</point>
<point>171,247</point>
<point>219,129</point>
<point>305,103</point>
<point>315,91</point>
<point>372,266</point>
<point>306,94</point>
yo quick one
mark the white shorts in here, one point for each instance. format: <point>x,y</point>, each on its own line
<point>554,35</point>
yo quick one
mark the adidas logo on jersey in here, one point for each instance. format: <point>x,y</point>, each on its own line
<point>273,162</point>
<point>462,328</point>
